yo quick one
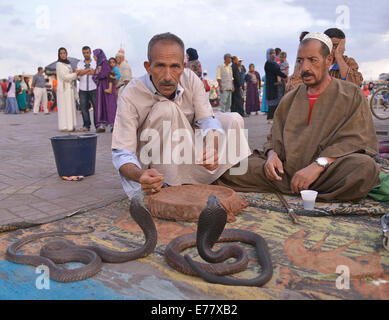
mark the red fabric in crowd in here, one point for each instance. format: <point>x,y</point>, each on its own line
<point>4,86</point>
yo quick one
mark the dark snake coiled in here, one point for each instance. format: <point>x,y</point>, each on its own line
<point>211,224</point>
<point>62,251</point>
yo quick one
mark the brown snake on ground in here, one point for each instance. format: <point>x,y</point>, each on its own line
<point>62,251</point>
<point>210,226</point>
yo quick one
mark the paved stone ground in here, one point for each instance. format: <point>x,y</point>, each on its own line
<point>30,189</point>
<point>31,192</point>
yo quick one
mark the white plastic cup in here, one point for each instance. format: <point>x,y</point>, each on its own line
<point>309,198</point>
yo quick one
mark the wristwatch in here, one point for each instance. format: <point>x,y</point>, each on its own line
<point>322,162</point>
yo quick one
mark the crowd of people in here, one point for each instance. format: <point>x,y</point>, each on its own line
<point>15,94</point>
<point>100,81</point>
<point>370,88</point>
<point>235,88</point>
<point>239,91</point>
<point>94,84</point>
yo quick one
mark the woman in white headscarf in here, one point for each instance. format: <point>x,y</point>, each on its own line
<point>11,104</point>
<point>65,93</point>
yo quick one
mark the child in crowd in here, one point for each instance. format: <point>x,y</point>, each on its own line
<point>113,76</point>
<point>111,82</point>
<point>30,100</point>
<point>284,66</point>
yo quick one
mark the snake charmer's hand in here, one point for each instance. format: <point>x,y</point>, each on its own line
<point>151,180</point>
<point>210,157</point>
<point>273,163</point>
<point>303,178</point>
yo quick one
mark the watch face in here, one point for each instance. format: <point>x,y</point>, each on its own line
<point>322,161</point>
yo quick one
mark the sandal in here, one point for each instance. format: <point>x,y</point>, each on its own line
<point>72,178</point>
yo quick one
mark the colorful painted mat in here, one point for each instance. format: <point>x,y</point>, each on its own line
<point>306,258</point>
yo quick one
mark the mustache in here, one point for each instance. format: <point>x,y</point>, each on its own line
<point>167,83</point>
<point>306,74</point>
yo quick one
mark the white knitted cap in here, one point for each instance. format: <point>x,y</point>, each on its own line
<point>321,37</point>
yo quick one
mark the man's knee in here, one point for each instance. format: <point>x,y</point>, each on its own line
<point>230,120</point>
<point>351,178</point>
<point>357,167</point>
<point>361,164</point>
<point>370,169</point>
<point>236,120</point>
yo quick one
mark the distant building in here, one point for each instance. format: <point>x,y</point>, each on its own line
<point>383,76</point>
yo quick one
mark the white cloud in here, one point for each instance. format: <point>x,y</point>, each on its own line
<point>6,9</point>
<point>245,27</point>
<point>218,22</point>
<point>372,69</point>
<point>323,23</point>
<point>210,26</point>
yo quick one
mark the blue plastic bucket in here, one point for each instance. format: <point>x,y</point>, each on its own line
<point>75,155</point>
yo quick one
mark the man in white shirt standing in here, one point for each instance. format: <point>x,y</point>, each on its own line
<point>87,87</point>
<point>226,86</point>
<point>40,92</point>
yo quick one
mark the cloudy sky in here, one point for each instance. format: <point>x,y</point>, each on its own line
<point>33,30</point>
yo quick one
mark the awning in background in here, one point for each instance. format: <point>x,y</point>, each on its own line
<point>50,69</point>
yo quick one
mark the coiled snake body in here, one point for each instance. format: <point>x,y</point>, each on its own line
<point>62,251</point>
<point>210,226</point>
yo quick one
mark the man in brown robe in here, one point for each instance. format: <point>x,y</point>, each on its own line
<point>323,137</point>
<point>342,67</point>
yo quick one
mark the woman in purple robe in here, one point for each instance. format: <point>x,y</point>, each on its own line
<point>105,102</point>
<point>253,81</point>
